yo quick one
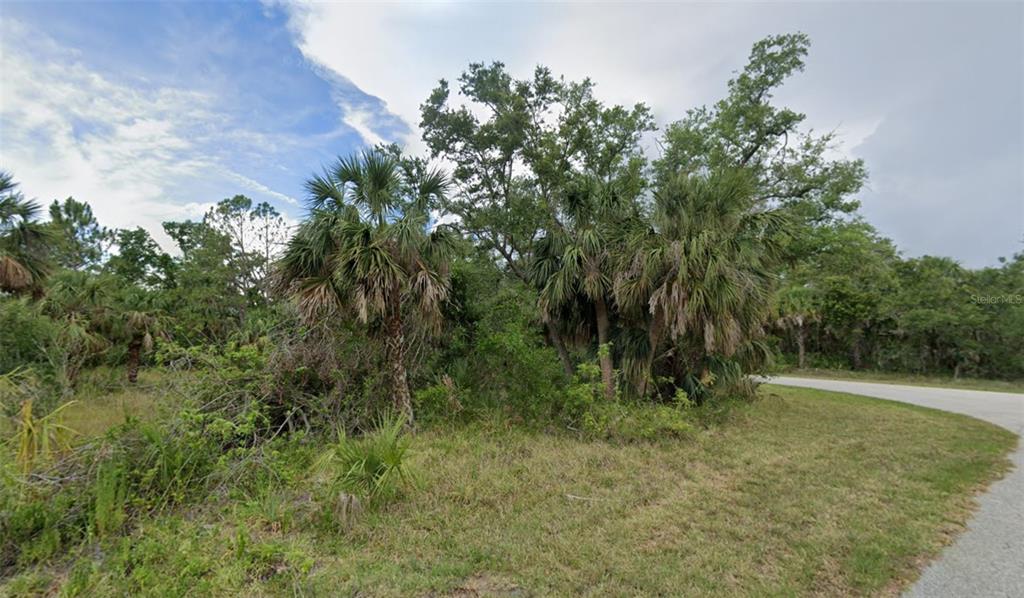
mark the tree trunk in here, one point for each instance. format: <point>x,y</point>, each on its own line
<point>134,356</point>
<point>604,350</point>
<point>653,340</point>
<point>855,350</point>
<point>563,355</point>
<point>395,349</point>
<point>800,347</point>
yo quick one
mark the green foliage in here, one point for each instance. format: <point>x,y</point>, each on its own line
<point>110,498</point>
<point>500,362</point>
<point>367,252</point>
<point>636,422</point>
<point>373,468</point>
<point>79,242</point>
<point>24,242</point>
<point>25,333</point>
<point>140,261</point>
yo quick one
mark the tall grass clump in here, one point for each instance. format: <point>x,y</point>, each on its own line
<point>373,468</point>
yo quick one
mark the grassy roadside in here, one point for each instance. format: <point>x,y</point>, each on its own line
<point>803,492</point>
<point>910,379</point>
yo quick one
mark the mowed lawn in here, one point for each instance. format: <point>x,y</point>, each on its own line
<point>803,492</point>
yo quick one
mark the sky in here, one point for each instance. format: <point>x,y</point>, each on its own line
<point>154,111</point>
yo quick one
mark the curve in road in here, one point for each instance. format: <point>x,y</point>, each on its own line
<point>988,559</point>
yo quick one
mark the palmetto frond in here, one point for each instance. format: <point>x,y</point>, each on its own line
<point>366,246</point>
<point>24,242</point>
<point>324,191</point>
<point>372,180</point>
<point>715,284</point>
<point>14,275</point>
<point>431,189</point>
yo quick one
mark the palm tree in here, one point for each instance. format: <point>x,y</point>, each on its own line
<point>140,327</point>
<point>367,249</point>
<point>81,304</point>
<point>700,275</point>
<point>23,241</point>
<point>796,308</point>
<point>574,265</point>
<point>98,311</point>
<point>135,320</point>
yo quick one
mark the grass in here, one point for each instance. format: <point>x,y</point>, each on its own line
<point>803,492</point>
<point>101,405</point>
<point>911,379</point>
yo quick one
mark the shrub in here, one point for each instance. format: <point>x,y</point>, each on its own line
<point>635,422</point>
<point>438,402</point>
<point>24,334</point>
<point>372,468</point>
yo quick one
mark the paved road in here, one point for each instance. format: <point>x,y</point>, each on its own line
<point>988,559</point>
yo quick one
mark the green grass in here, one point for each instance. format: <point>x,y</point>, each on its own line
<point>911,379</point>
<point>802,492</point>
<point>103,405</point>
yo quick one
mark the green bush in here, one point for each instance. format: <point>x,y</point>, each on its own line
<point>438,402</point>
<point>635,422</point>
<point>372,468</point>
<point>24,334</point>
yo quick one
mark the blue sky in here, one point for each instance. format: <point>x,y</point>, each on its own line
<point>153,111</point>
<point>174,106</point>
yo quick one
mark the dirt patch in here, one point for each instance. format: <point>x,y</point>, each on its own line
<point>488,585</point>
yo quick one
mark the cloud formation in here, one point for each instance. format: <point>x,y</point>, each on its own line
<point>152,111</point>
<point>69,131</point>
<point>928,94</point>
<point>158,131</point>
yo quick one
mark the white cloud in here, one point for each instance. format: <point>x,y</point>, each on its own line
<point>868,63</point>
<point>362,121</point>
<point>134,154</point>
<point>398,51</point>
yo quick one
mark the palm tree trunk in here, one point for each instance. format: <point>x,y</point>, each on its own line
<point>801,359</point>
<point>395,349</point>
<point>563,354</point>
<point>134,356</point>
<point>604,349</point>
<point>653,340</point>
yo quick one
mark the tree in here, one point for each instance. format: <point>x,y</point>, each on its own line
<point>852,268</point>
<point>526,171</point>
<point>933,314</point>
<point>138,321</point>
<point>790,168</point>
<point>574,264</point>
<point>208,292</point>
<point>796,309</point>
<point>367,251</point>
<point>81,305</point>
<point>79,243</point>
<point>256,233</point>
<point>700,277</point>
<point>140,261</point>
<point>24,242</point>
<point>999,292</point>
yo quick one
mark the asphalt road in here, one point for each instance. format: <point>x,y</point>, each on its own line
<point>988,559</point>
